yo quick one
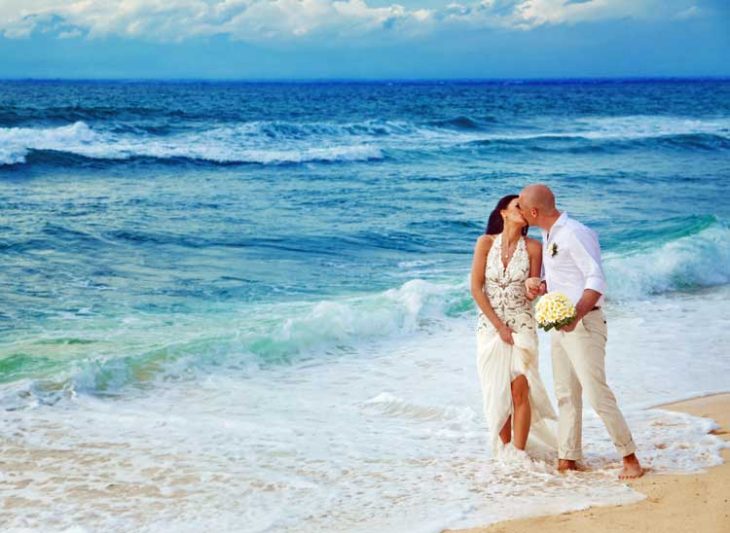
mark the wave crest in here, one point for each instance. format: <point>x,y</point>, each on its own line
<point>289,142</point>
<point>275,335</point>
<point>700,259</point>
<point>253,143</point>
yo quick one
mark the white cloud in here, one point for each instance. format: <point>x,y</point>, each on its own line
<point>531,13</point>
<point>690,13</point>
<point>262,20</point>
<point>70,34</point>
<point>242,19</point>
<point>537,12</point>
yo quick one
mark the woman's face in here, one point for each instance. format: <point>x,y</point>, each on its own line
<point>512,213</point>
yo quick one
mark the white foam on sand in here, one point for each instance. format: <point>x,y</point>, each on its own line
<point>389,438</point>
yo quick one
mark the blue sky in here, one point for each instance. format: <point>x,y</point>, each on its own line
<point>275,39</point>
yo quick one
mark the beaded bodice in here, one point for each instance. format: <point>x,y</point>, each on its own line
<point>505,288</point>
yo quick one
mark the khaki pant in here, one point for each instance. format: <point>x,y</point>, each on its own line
<point>578,366</point>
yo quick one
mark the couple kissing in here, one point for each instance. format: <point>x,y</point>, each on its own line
<point>509,271</point>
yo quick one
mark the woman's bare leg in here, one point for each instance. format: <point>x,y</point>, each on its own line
<point>506,433</point>
<point>521,410</point>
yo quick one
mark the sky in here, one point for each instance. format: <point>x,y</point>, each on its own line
<point>363,39</point>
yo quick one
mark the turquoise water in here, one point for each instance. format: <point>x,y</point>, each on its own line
<point>268,283</point>
<point>144,221</point>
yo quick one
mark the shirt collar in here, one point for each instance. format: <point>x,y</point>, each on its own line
<point>562,219</point>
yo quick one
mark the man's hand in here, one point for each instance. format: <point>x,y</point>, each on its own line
<point>534,287</point>
<point>584,306</point>
<point>570,327</point>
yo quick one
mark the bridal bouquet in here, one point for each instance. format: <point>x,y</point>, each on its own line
<point>554,310</point>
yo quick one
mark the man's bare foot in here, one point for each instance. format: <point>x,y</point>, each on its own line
<point>567,464</point>
<point>632,469</point>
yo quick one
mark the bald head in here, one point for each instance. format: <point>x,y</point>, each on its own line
<point>537,205</point>
<point>538,196</point>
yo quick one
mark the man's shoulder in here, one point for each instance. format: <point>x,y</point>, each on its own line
<point>576,226</point>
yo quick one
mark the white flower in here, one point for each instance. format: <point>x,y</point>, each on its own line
<point>554,310</point>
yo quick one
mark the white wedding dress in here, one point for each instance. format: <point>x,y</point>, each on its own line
<point>499,363</point>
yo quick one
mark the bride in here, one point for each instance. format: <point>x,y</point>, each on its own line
<point>516,404</point>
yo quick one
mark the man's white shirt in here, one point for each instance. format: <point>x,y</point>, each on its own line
<point>571,256</point>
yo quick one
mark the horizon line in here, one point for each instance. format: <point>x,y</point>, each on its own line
<point>538,79</point>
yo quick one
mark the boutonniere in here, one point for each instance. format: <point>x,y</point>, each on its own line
<point>554,249</point>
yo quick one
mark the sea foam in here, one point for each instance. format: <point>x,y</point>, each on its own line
<point>389,438</point>
<point>280,142</point>
<point>701,259</point>
<point>276,334</point>
<point>218,145</point>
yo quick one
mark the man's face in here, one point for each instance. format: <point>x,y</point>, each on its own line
<point>528,213</point>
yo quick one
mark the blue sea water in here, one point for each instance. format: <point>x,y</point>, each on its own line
<point>227,237</point>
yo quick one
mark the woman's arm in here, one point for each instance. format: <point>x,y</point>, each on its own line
<point>478,266</point>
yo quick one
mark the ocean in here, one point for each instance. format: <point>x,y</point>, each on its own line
<point>245,306</point>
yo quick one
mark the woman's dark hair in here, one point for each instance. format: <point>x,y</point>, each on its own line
<point>495,225</point>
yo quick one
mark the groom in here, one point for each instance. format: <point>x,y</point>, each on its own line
<point>572,265</point>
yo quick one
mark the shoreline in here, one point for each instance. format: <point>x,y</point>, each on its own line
<point>698,501</point>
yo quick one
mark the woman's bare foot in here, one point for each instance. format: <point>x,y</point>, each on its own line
<point>567,464</point>
<point>632,468</point>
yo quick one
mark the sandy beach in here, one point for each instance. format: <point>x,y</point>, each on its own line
<point>681,503</point>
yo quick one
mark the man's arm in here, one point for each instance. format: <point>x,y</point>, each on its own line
<point>587,302</point>
<point>586,252</point>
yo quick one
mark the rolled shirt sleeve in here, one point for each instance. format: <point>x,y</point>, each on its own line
<point>586,251</point>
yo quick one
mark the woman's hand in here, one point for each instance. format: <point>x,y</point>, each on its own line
<point>505,334</point>
<point>534,287</point>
